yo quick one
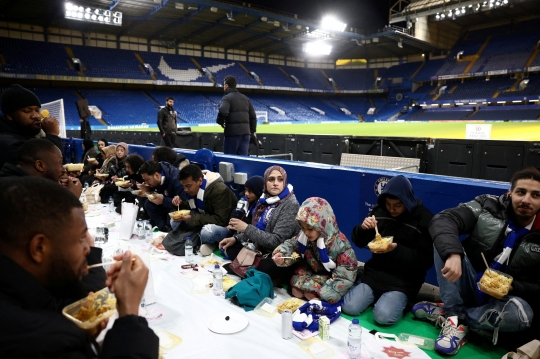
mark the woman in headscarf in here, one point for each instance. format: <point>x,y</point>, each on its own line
<point>109,159</point>
<point>273,223</point>
<point>89,152</point>
<point>325,263</point>
<point>118,169</point>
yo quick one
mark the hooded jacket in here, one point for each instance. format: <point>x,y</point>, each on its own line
<point>403,269</point>
<point>12,138</point>
<point>219,201</point>
<point>110,158</point>
<point>310,274</point>
<point>484,220</point>
<point>237,114</point>
<point>10,170</point>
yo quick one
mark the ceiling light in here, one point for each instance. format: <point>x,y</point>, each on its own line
<point>214,9</point>
<point>331,23</point>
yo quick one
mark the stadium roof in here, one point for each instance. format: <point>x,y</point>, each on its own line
<point>228,24</point>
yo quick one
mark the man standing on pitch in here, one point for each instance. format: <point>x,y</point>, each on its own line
<point>237,116</point>
<point>166,121</point>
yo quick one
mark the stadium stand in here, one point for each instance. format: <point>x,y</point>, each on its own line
<point>191,106</point>
<point>440,114</point>
<point>271,75</point>
<point>504,113</point>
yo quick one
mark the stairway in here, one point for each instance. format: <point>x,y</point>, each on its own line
<point>531,58</point>
<point>71,55</point>
<point>248,74</point>
<point>417,71</point>
<point>141,65</point>
<point>477,55</point>
<point>334,85</point>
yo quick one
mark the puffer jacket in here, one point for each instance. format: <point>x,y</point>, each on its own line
<point>236,114</point>
<point>219,200</point>
<point>484,220</point>
<point>403,269</point>
<point>166,120</point>
<point>310,273</point>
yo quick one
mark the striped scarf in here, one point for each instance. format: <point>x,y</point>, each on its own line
<point>265,207</point>
<point>197,203</point>
<point>328,264</point>
<point>497,263</point>
<point>307,316</point>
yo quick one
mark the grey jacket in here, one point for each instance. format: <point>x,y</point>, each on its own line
<point>282,226</point>
<point>236,114</point>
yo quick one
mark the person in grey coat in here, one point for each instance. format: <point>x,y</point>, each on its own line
<point>237,116</point>
<point>274,221</point>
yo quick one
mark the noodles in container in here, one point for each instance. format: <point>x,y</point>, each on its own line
<point>89,312</point>
<point>74,167</point>
<point>495,283</point>
<point>380,244</point>
<point>176,215</point>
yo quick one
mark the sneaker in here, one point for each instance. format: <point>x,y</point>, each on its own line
<point>207,249</point>
<point>432,312</point>
<point>451,337</point>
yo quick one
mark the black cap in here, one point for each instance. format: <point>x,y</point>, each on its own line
<point>16,97</point>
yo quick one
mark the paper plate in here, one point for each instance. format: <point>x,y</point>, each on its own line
<point>227,323</point>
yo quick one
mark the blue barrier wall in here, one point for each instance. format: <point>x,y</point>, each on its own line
<point>350,191</point>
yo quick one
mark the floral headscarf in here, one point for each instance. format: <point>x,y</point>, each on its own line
<point>316,212</point>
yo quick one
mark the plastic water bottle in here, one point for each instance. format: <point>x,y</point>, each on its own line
<point>217,286</point>
<point>85,186</point>
<point>140,230</point>
<point>189,250</point>
<point>354,341</point>
<point>111,204</point>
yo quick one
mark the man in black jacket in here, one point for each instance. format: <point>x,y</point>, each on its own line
<point>392,276</point>
<point>506,231</point>
<point>237,116</point>
<point>21,121</point>
<point>166,121</point>
<point>43,260</point>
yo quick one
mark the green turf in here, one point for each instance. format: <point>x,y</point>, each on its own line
<point>515,131</point>
<point>476,347</point>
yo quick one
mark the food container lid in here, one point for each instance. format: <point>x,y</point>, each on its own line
<point>266,308</point>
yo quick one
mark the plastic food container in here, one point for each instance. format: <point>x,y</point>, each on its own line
<point>420,342</point>
<point>101,175</point>
<point>179,214</point>
<point>121,183</point>
<point>74,167</point>
<point>495,283</point>
<point>380,245</point>
<point>103,300</point>
<point>291,304</point>
<point>316,348</point>
<point>266,308</point>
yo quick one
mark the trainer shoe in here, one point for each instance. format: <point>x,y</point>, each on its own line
<point>451,337</point>
<point>432,312</point>
<point>207,249</point>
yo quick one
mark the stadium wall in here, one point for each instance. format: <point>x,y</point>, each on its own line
<point>352,192</point>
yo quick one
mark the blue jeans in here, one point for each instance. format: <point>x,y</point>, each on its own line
<point>388,307</point>
<point>212,233</point>
<point>510,314</point>
<point>236,145</point>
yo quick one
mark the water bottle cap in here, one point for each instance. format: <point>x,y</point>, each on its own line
<point>216,266</point>
<point>355,321</point>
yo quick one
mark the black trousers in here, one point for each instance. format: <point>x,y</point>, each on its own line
<point>267,265</point>
<point>169,140</point>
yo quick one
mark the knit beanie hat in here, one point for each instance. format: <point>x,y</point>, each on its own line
<point>275,168</point>
<point>16,97</point>
<point>123,144</point>
<point>255,185</point>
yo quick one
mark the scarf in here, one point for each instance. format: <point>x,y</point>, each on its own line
<point>197,202</point>
<point>266,206</point>
<point>511,238</point>
<point>328,264</point>
<point>307,316</point>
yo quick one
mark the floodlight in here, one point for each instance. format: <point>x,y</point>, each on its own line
<point>69,6</point>
<point>331,23</point>
<point>94,17</point>
<point>437,16</point>
<point>458,12</point>
<point>443,16</point>
<point>87,16</point>
<point>317,48</point>
<point>264,19</point>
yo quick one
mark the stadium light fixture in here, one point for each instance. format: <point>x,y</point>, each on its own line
<point>317,48</point>
<point>230,16</point>
<point>400,44</point>
<point>437,16</point>
<point>333,24</point>
<point>91,14</point>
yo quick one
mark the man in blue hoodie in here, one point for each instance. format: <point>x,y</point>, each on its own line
<point>162,177</point>
<point>393,276</point>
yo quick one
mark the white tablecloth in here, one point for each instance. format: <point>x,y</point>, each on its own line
<point>185,314</point>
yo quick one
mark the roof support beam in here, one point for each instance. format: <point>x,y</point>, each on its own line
<point>145,17</point>
<point>176,23</point>
<point>236,31</point>
<point>113,4</point>
<point>201,30</point>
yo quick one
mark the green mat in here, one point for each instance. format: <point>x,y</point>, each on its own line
<point>476,347</point>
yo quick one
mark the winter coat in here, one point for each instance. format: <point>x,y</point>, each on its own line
<point>403,269</point>
<point>33,326</point>
<point>218,200</point>
<point>118,169</point>
<point>484,221</point>
<point>236,114</point>
<point>10,170</point>
<point>281,226</point>
<point>310,273</point>
<point>12,138</point>
<point>92,153</point>
<point>110,159</point>
<point>166,120</point>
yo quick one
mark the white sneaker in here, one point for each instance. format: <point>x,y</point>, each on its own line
<point>207,249</point>
<point>451,337</point>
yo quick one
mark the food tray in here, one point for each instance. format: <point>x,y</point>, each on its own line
<point>74,167</point>
<point>121,183</point>
<point>380,245</point>
<point>292,304</point>
<point>103,297</point>
<point>179,214</point>
<point>101,175</point>
<point>495,283</point>
<point>266,308</point>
